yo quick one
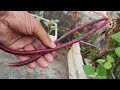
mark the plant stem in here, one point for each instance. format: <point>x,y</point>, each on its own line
<point>106,48</point>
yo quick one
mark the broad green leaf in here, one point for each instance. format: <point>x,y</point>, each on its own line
<point>100,70</point>
<point>110,59</point>
<point>116,36</point>
<point>117,51</point>
<point>100,61</point>
<point>89,70</point>
<point>107,65</point>
<point>118,68</point>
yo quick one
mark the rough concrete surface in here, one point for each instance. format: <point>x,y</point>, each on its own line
<point>56,70</point>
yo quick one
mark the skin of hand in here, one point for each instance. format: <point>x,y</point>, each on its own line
<point>21,31</point>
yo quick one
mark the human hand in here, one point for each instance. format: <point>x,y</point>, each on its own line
<point>21,31</point>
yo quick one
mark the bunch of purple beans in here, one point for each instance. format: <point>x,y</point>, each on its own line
<point>40,52</point>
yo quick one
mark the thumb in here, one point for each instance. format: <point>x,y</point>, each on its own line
<point>42,35</point>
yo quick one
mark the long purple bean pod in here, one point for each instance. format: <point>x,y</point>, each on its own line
<point>32,52</point>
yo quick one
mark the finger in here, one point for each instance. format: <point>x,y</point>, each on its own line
<point>37,44</point>
<point>42,35</point>
<point>20,43</point>
<point>24,58</point>
<point>29,47</point>
<point>42,62</point>
<point>48,57</point>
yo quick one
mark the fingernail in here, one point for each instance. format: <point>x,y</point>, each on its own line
<point>53,45</point>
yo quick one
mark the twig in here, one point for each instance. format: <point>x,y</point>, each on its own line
<point>113,68</point>
<point>64,28</point>
<point>113,75</point>
<point>89,44</point>
<point>106,48</point>
<point>110,50</point>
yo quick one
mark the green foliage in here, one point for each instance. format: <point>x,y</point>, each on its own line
<point>39,16</point>
<point>116,43</point>
<point>116,37</point>
<point>118,68</point>
<point>101,69</point>
<point>117,51</point>
<point>50,24</point>
<point>117,72</point>
<point>89,70</point>
<point>41,13</point>
<point>107,65</point>
<point>104,67</point>
<point>110,59</point>
<point>100,61</point>
<point>93,54</point>
<point>77,34</point>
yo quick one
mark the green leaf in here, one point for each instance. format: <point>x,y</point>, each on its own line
<point>118,68</point>
<point>89,70</point>
<point>100,61</point>
<point>116,36</point>
<point>107,65</point>
<point>77,34</point>
<point>100,70</point>
<point>117,51</point>
<point>110,59</point>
